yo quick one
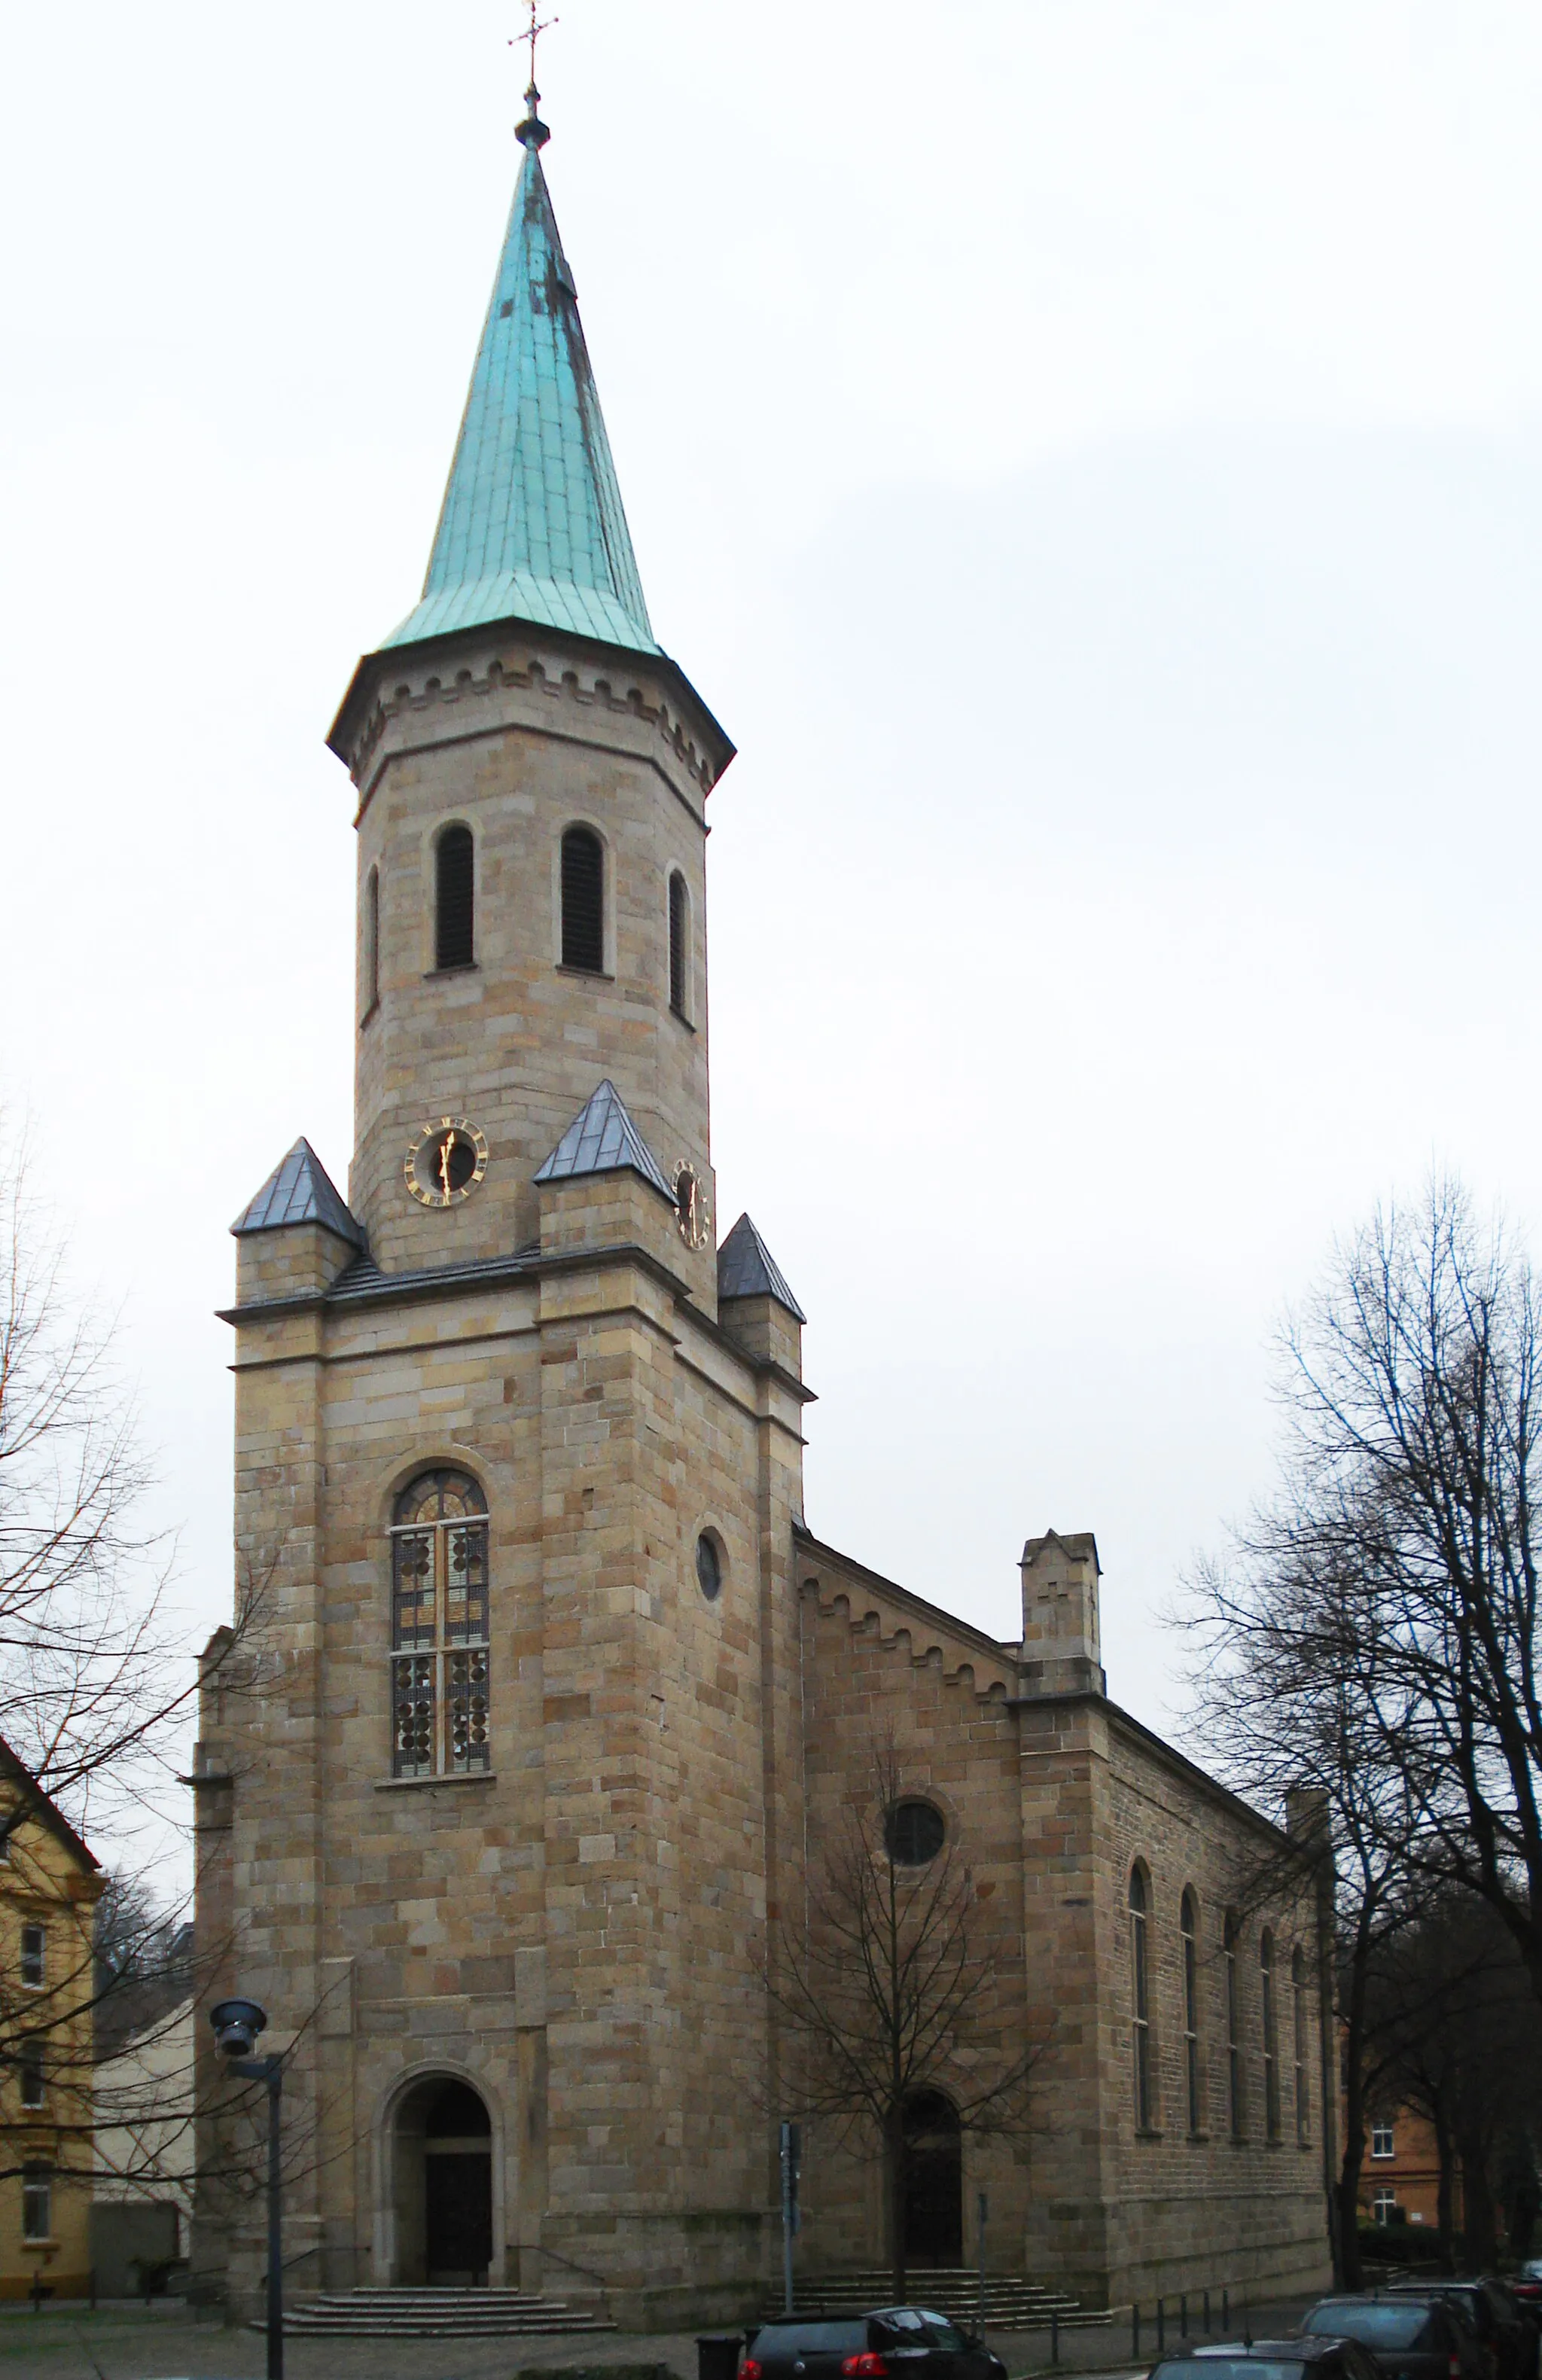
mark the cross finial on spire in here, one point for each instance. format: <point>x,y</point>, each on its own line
<point>531,130</point>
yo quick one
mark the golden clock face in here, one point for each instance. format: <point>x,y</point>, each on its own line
<point>445,1162</point>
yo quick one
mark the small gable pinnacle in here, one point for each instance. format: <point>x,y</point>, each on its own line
<point>747,1268</point>
<point>299,1190</point>
<point>603,1139</point>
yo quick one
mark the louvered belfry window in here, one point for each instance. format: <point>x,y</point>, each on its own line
<point>439,1628</point>
<point>583,900</point>
<point>679,942</point>
<point>455,898</point>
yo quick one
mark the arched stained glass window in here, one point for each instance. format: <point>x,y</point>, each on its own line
<point>439,1627</point>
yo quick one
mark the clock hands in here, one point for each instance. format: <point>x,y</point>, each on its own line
<point>446,1150</point>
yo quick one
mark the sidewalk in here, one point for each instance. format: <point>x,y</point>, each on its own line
<point>164,2342</point>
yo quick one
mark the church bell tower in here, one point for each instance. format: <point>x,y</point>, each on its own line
<point>532,775</point>
<point>491,1826</point>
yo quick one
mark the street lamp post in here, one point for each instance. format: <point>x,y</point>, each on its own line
<point>237,2026</point>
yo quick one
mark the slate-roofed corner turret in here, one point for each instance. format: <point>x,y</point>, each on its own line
<point>755,1302</point>
<point>297,1235</point>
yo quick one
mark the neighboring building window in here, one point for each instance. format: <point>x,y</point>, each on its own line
<point>1298,2004</point>
<point>37,2202</point>
<point>1140,2001</point>
<point>369,988</point>
<point>33,1957</point>
<point>1233,2030</point>
<point>1271,2045</point>
<point>914,1833</point>
<point>1381,2141</point>
<point>1189,1921</point>
<point>31,2073</point>
<point>455,899</point>
<point>439,1627</point>
<point>1384,2207</point>
<point>583,900</point>
<point>679,942</point>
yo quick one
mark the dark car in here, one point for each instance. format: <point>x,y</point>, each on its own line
<point>1527,2285</point>
<point>1407,2338</point>
<point>891,2343</point>
<point>1269,2359</point>
<point>1506,2329</point>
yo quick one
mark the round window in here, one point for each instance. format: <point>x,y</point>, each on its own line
<point>913,1832</point>
<point>709,1568</point>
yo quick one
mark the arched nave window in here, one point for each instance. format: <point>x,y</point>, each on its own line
<point>1268,2017</point>
<point>1189,1923</point>
<point>1298,2013</point>
<point>1140,1998</point>
<point>439,1627</point>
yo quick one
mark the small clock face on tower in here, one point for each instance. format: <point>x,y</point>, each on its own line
<point>445,1162</point>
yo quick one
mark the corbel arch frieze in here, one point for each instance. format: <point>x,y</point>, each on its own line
<point>590,688</point>
<point>897,1634</point>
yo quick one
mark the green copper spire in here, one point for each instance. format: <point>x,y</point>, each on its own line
<point>532,526</point>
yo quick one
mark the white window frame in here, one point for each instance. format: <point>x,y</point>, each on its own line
<point>34,2089</point>
<point>1383,2141</point>
<point>37,2192</point>
<point>35,1962</point>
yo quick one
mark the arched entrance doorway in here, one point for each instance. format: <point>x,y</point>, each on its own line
<point>933,2180</point>
<point>442,2149</point>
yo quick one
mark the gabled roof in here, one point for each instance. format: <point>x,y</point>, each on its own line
<point>602,1138</point>
<point>532,526</point>
<point>747,1268</point>
<point>299,1191</point>
<point>35,1803</point>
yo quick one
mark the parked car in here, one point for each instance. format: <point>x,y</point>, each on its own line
<point>891,2343</point>
<point>1269,2359</point>
<point>1527,2284</point>
<point>1408,2339</point>
<point>1505,2327</point>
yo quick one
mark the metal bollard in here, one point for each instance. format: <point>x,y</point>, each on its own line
<point>1054,2334</point>
<point>1134,2334</point>
<point>1161,2325</point>
<point>1183,2313</point>
<point>1206,2313</point>
<point>1226,2309</point>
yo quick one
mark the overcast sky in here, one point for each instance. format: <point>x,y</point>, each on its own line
<point>1088,457</point>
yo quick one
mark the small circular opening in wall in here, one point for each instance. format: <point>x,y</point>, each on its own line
<point>709,1568</point>
<point>913,1832</point>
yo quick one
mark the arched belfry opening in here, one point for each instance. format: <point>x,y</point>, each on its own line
<point>933,2180</point>
<point>442,2151</point>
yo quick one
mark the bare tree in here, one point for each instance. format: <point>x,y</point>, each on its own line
<point>92,1677</point>
<point>887,1998</point>
<point>1412,1390</point>
<point>1454,2004</point>
<point>1284,1672</point>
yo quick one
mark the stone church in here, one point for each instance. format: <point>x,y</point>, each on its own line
<point>548,1697</point>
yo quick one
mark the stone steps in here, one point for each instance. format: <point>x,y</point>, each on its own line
<point>1012,2303</point>
<point>436,2313</point>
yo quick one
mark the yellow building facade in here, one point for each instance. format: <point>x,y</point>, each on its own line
<point>49,1887</point>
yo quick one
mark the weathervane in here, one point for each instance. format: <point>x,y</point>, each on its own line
<point>532,131</point>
